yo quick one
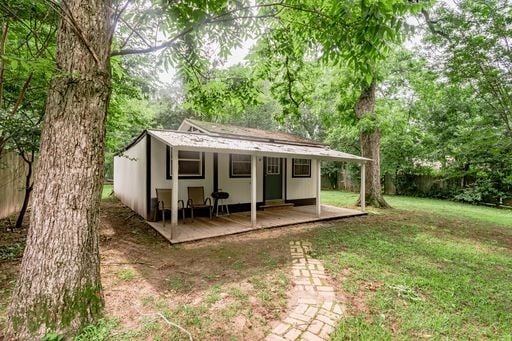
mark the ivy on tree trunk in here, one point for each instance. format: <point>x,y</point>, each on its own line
<point>370,146</point>
<point>58,288</point>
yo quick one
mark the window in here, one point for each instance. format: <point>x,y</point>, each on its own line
<point>239,166</point>
<point>194,129</point>
<point>301,168</point>
<point>190,164</point>
<point>273,165</point>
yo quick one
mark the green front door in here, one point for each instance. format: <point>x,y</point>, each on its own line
<point>273,172</point>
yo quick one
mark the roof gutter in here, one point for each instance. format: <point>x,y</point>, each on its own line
<point>358,159</point>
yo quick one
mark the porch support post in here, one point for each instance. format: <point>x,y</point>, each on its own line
<point>174,175</point>
<point>363,190</point>
<point>318,187</point>
<point>253,190</point>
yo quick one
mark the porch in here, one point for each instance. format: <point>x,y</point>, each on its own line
<point>202,228</point>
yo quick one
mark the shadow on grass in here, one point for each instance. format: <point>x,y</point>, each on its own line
<point>422,276</point>
<point>219,288</point>
<point>203,263</point>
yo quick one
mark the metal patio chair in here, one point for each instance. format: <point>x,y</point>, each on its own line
<point>164,197</point>
<point>196,200</point>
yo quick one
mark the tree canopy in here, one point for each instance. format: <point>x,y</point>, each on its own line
<point>84,73</point>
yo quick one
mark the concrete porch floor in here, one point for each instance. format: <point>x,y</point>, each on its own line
<point>202,228</point>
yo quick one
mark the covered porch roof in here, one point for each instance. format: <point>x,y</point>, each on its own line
<point>252,146</point>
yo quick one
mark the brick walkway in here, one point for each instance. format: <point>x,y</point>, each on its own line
<point>314,311</point>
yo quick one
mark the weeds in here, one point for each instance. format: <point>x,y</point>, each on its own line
<point>125,274</point>
<point>97,332</point>
<point>179,283</point>
<point>11,251</point>
<point>213,295</point>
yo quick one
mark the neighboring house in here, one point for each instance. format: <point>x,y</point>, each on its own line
<point>257,168</point>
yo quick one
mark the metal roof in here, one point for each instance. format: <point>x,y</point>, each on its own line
<point>229,130</point>
<point>205,142</point>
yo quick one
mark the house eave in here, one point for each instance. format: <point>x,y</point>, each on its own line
<point>131,144</point>
<point>228,144</point>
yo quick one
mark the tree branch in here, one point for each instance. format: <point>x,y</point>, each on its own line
<point>210,20</point>
<point>245,17</point>
<point>66,14</point>
<point>23,156</point>
<point>136,33</point>
<point>15,16</point>
<point>432,28</point>
<point>239,9</point>
<point>3,39</point>
<point>117,16</point>
<point>155,48</point>
<point>289,84</point>
<point>22,94</point>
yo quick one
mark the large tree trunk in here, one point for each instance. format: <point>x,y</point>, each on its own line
<point>370,147</point>
<point>58,288</point>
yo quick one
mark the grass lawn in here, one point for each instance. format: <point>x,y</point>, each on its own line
<point>439,269</point>
<point>425,269</point>
<point>435,206</point>
<point>106,191</point>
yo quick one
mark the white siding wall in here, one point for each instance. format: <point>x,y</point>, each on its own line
<point>184,126</point>
<point>159,178</point>
<point>130,177</point>
<point>300,188</point>
<point>239,189</point>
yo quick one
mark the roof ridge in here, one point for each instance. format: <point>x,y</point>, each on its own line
<point>242,137</point>
<point>298,139</point>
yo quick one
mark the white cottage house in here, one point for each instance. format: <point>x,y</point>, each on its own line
<point>260,170</point>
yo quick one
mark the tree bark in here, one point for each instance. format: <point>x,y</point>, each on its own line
<point>28,189</point>
<point>370,147</point>
<point>58,288</point>
<point>3,39</point>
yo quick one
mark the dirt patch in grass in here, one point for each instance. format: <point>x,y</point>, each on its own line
<point>216,289</point>
<point>233,286</point>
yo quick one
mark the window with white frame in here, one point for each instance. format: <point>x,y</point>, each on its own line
<point>190,164</point>
<point>273,165</point>
<point>301,168</point>
<point>239,166</point>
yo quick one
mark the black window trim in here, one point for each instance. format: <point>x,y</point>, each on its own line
<point>168,175</point>
<point>293,169</point>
